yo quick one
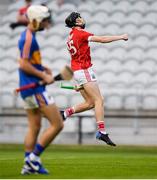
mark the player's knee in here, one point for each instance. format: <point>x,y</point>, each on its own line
<point>59,126</point>
<point>90,105</point>
<point>36,127</point>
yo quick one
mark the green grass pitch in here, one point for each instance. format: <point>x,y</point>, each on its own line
<point>84,162</point>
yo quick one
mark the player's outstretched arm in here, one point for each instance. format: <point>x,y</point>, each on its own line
<point>108,39</point>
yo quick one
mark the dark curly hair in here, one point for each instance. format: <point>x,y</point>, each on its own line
<point>70,21</point>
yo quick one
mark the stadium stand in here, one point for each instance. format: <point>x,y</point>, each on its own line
<point>105,17</point>
<point>126,70</point>
<point>129,62</point>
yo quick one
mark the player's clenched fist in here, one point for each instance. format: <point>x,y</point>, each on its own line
<point>47,78</point>
<point>125,37</point>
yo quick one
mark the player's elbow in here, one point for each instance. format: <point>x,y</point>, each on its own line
<point>90,105</point>
<point>22,65</point>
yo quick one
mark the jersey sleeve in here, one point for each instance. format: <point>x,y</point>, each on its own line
<point>22,11</point>
<point>26,52</point>
<point>86,35</point>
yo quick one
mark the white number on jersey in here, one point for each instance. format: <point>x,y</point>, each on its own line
<point>72,49</point>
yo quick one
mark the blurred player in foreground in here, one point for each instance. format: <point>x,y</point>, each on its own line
<point>37,102</point>
<point>83,72</point>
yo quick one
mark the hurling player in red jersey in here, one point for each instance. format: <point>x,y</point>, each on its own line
<point>83,72</point>
<point>22,19</point>
<point>22,13</point>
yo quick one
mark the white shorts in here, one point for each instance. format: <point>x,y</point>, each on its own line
<point>38,100</point>
<point>84,75</point>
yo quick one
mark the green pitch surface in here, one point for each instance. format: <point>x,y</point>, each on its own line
<point>84,162</point>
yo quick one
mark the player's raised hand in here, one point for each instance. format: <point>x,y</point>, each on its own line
<point>125,37</point>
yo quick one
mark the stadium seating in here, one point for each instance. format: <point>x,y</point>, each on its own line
<point>126,67</point>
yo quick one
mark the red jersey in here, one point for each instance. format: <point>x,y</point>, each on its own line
<point>23,10</point>
<point>79,49</point>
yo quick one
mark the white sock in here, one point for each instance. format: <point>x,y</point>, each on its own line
<point>68,112</point>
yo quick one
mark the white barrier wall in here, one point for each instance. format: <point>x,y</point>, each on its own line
<point>122,131</point>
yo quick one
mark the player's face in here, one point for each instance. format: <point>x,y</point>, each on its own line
<point>45,24</point>
<point>80,22</point>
